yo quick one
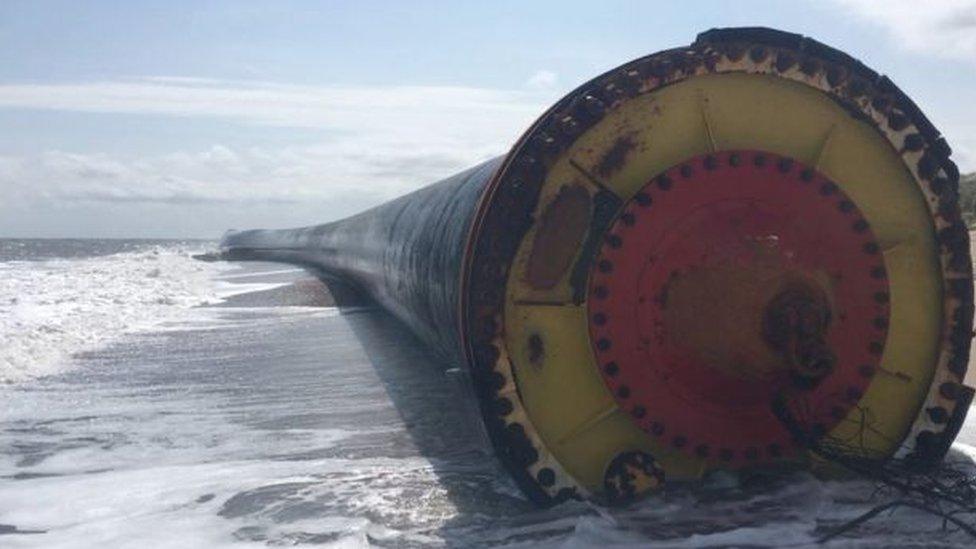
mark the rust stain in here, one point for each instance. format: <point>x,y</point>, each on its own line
<point>616,155</point>
<point>562,227</point>
<point>537,350</point>
<point>631,475</point>
<point>733,299</point>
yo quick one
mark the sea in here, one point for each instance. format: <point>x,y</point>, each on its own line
<point>152,400</point>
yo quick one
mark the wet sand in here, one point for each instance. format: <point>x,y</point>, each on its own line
<point>305,292</point>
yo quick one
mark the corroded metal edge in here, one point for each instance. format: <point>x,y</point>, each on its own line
<point>505,214</point>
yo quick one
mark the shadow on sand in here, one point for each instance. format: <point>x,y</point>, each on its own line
<point>490,509</point>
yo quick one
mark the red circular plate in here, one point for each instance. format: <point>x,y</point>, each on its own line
<point>679,291</point>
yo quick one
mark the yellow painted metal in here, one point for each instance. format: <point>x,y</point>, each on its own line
<point>563,394</point>
<point>562,390</point>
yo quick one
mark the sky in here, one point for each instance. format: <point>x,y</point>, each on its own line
<point>188,118</point>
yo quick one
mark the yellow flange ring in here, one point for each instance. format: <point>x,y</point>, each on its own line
<point>560,431</point>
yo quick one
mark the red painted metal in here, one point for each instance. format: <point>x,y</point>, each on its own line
<point>726,211</point>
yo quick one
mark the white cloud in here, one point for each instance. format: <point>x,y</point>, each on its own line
<point>542,80</point>
<point>456,110</point>
<point>941,27</point>
<point>205,192</point>
<point>378,170</point>
<point>379,143</point>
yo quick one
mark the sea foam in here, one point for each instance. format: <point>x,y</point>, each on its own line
<point>53,309</point>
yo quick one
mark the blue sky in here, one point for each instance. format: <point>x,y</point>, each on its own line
<point>187,118</point>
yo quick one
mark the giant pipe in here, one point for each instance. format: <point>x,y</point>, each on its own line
<point>677,256</point>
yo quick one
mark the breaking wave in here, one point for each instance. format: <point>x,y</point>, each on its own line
<point>54,308</point>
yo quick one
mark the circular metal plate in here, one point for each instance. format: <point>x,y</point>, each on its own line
<point>680,295</point>
<point>526,330</point>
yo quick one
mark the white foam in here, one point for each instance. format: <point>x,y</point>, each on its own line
<point>50,310</point>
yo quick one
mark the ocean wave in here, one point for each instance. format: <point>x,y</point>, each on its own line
<point>53,309</point>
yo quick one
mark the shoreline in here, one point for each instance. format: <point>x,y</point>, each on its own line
<point>304,292</point>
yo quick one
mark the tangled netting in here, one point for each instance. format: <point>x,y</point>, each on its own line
<point>946,490</point>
